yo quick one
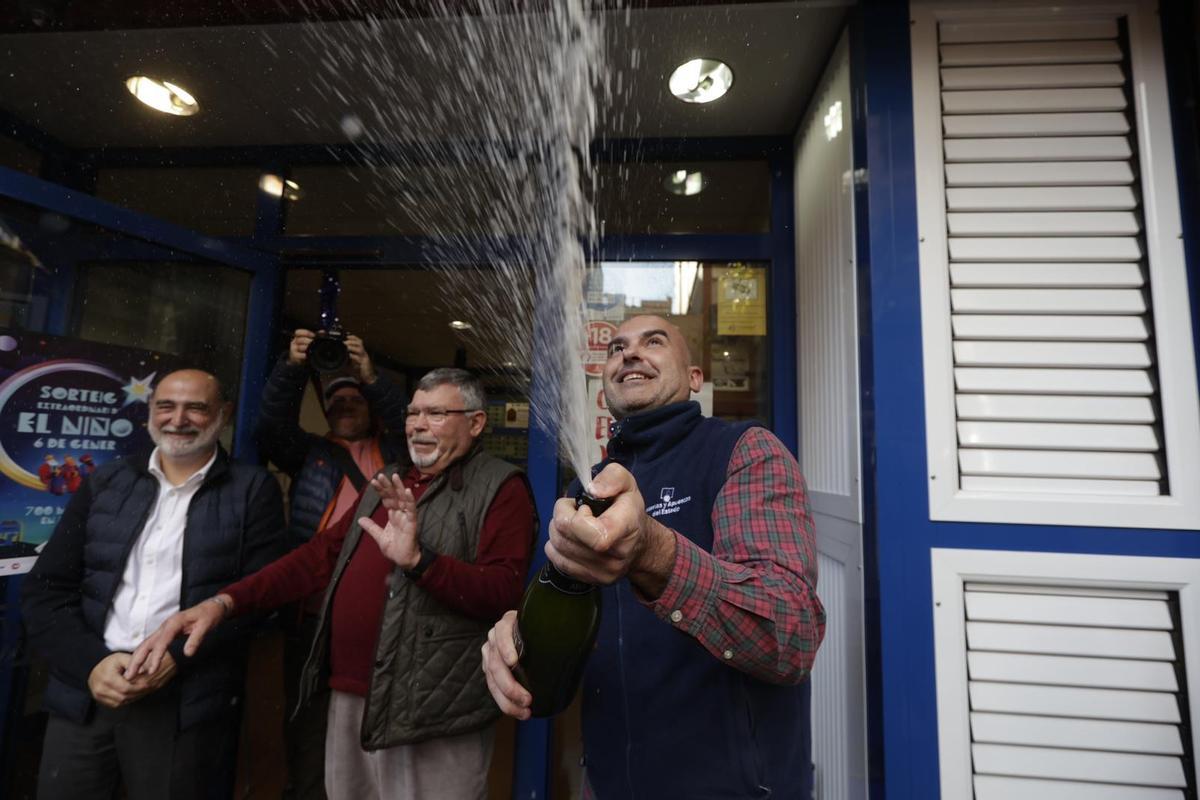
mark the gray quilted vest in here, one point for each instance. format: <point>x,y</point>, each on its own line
<point>428,680</point>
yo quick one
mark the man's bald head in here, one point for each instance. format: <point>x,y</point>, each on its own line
<point>649,365</point>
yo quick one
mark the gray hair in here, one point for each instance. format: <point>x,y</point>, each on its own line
<point>470,386</point>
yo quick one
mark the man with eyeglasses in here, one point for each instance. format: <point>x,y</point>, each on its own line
<point>407,609</point>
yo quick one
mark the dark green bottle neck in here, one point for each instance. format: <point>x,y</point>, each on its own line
<point>564,583</point>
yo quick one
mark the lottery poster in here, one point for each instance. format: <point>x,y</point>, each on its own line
<point>67,407</point>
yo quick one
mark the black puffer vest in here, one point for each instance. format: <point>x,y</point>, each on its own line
<point>215,553</point>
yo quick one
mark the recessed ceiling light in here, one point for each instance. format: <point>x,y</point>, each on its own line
<point>701,80</point>
<point>279,187</point>
<point>168,98</point>
<point>685,183</point>
<point>460,325</point>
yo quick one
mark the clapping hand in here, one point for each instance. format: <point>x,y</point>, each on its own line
<point>398,539</point>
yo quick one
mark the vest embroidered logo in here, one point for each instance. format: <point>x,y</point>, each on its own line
<point>668,503</point>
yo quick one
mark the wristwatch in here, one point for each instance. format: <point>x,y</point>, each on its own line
<point>427,557</point>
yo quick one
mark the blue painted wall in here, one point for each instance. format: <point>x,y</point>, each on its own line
<point>899,531</point>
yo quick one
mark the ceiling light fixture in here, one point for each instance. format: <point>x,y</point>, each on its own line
<point>701,80</point>
<point>279,187</point>
<point>168,98</point>
<point>685,183</point>
<point>460,325</point>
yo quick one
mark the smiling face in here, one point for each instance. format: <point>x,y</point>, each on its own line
<point>648,367</point>
<point>186,415</point>
<point>434,446</point>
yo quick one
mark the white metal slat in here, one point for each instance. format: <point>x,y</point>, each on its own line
<point>1071,641</point>
<point>1042,198</point>
<point>1080,52</point>
<point>1060,464</point>
<point>1039,148</point>
<point>1066,591</point>
<point>1002,787</point>
<point>1122,382</point>
<point>1047,276</point>
<point>1097,673</point>
<point>1033,101</point>
<point>1047,301</point>
<point>1060,31</point>
<point>1058,436</point>
<point>1108,123</point>
<point>1048,327</point>
<point>1039,173</point>
<point>1082,734</point>
<point>1101,355</point>
<point>1051,609</point>
<point>1055,408</point>
<point>1059,486</point>
<point>1062,764</point>
<point>1069,701</point>
<point>1048,248</point>
<point>1043,223</point>
<point>1036,77</point>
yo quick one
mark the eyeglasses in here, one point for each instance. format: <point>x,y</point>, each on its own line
<point>436,416</point>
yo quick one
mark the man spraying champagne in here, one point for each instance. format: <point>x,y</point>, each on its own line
<point>711,619</point>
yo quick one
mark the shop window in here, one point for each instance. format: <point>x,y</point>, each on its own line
<point>212,200</point>
<point>185,309</point>
<point>653,197</point>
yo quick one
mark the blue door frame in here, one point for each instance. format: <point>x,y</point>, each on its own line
<point>154,239</point>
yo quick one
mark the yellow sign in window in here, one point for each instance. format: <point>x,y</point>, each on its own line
<point>742,301</point>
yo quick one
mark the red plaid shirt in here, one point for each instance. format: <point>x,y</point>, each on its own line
<point>752,602</point>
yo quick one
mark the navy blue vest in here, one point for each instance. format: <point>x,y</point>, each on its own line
<point>662,717</point>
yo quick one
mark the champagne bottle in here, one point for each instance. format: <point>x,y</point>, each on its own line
<point>556,628</point>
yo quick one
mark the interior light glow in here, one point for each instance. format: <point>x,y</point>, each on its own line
<point>833,121</point>
<point>460,325</point>
<point>701,80</point>
<point>685,183</point>
<point>278,187</point>
<point>163,96</point>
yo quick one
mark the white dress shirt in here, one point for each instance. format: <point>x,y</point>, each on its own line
<point>149,591</point>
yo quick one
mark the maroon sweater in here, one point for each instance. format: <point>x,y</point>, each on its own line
<point>483,590</point>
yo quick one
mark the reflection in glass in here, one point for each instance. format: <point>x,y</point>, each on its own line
<point>188,309</point>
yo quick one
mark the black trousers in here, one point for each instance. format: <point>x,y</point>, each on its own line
<point>140,747</point>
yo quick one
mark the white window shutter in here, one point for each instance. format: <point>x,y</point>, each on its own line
<point>1047,300</point>
<point>1072,688</point>
<point>1064,677</point>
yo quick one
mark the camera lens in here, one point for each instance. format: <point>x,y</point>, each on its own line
<point>327,353</point>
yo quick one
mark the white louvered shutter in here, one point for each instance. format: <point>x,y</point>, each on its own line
<point>1052,356</point>
<point>1051,325</point>
<point>1075,694</point>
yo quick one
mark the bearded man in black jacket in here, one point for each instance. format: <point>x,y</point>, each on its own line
<point>143,536</point>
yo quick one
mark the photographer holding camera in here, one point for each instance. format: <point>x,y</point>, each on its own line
<point>365,412</point>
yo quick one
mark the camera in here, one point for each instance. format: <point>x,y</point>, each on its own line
<point>328,353</point>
